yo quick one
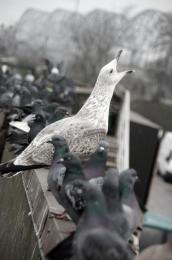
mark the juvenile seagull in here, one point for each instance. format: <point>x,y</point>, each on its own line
<point>82,131</point>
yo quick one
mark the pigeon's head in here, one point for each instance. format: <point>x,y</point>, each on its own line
<point>61,112</point>
<point>37,102</point>
<point>103,146</point>
<point>111,183</point>
<point>39,118</point>
<point>109,74</point>
<point>127,180</point>
<point>71,161</point>
<point>60,145</point>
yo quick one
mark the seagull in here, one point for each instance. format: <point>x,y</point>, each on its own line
<point>83,131</point>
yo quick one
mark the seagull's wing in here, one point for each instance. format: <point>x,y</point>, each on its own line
<point>86,143</point>
<point>78,134</point>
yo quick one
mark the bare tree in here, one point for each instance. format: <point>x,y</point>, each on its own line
<point>95,38</point>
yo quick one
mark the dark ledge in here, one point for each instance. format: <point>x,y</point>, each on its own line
<point>45,211</point>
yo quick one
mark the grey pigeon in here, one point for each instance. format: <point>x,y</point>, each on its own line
<point>58,114</point>
<point>127,181</point>
<point>70,192</point>
<point>56,171</point>
<point>96,165</point>
<point>131,207</point>
<point>94,237</point>
<point>113,199</point>
<point>36,126</point>
<point>19,140</point>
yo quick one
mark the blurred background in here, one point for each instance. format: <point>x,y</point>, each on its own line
<point>76,38</point>
<point>84,36</point>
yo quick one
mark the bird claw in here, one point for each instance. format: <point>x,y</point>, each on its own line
<point>134,244</point>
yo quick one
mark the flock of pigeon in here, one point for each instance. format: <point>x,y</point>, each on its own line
<point>49,85</point>
<point>99,200</point>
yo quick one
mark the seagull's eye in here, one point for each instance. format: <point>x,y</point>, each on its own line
<point>111,71</point>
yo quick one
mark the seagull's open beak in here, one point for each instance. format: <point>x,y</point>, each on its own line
<point>116,60</point>
<point>118,55</point>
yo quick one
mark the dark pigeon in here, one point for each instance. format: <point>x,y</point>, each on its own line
<point>36,126</point>
<point>131,207</point>
<point>56,172</point>
<point>58,114</point>
<point>117,216</point>
<point>70,193</point>
<point>96,165</point>
<point>94,237</point>
<point>127,180</point>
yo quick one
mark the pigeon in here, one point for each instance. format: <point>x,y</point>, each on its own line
<point>131,207</point>
<point>58,114</point>
<point>96,165</point>
<point>36,126</point>
<point>127,181</point>
<point>55,176</point>
<point>35,108</point>
<point>69,191</point>
<point>82,131</point>
<point>95,237</point>
<point>110,190</point>
<point>19,140</point>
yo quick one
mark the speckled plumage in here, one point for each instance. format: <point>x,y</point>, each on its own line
<point>82,131</point>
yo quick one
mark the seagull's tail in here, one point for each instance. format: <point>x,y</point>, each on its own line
<point>9,169</point>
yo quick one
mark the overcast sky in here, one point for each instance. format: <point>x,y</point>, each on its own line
<point>11,10</point>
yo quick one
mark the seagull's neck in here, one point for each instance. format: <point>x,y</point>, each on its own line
<point>96,107</point>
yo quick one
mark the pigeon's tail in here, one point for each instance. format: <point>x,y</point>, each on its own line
<point>9,169</point>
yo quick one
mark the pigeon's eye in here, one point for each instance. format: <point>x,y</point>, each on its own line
<point>111,71</point>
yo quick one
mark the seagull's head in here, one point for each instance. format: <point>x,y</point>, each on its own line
<point>109,75</point>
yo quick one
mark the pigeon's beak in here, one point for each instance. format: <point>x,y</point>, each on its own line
<point>49,142</point>
<point>60,160</point>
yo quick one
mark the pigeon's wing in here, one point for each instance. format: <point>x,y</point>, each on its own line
<point>98,181</point>
<point>20,125</point>
<point>75,193</point>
